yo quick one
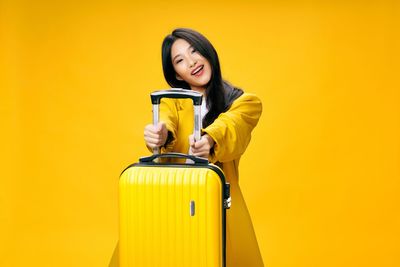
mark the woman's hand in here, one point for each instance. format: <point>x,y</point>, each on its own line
<point>155,136</point>
<point>202,147</point>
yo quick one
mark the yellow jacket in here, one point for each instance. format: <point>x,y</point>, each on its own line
<point>231,132</point>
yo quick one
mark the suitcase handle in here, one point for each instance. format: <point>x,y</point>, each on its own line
<point>178,93</point>
<point>196,160</point>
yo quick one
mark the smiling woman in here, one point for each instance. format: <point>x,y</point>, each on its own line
<point>191,62</point>
<point>190,65</point>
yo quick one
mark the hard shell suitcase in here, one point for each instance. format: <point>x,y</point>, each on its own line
<point>173,214</point>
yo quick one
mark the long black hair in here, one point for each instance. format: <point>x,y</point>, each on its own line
<point>220,94</point>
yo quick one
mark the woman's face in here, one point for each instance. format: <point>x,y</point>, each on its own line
<point>190,65</point>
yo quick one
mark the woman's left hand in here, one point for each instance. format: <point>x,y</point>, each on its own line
<point>202,147</point>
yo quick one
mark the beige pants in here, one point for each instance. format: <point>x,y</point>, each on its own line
<point>241,243</point>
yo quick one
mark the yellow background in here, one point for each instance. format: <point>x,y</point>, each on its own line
<point>321,176</point>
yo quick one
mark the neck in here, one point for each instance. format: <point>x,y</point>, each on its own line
<point>200,90</point>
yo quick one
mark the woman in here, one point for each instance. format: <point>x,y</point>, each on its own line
<point>190,61</point>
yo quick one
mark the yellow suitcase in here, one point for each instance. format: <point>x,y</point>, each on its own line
<point>173,214</point>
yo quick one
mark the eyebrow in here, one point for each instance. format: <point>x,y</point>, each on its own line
<point>190,46</point>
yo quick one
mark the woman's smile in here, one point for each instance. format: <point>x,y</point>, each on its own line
<point>198,71</point>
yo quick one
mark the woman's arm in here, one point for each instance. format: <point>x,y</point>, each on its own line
<point>231,131</point>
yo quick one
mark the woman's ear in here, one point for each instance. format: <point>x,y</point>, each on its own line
<point>179,78</point>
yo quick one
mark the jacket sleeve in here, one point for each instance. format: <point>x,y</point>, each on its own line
<point>231,131</point>
<point>169,115</point>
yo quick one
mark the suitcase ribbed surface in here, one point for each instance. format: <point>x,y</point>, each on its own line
<point>157,224</point>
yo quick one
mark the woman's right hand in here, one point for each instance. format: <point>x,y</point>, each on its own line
<point>155,136</point>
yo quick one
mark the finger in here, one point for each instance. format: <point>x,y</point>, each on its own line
<point>152,135</point>
<point>200,144</point>
<point>153,141</point>
<point>160,126</point>
<point>201,150</point>
<point>154,129</point>
<point>191,140</point>
<point>202,154</point>
<point>151,129</point>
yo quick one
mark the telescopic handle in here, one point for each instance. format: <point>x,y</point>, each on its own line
<point>178,93</point>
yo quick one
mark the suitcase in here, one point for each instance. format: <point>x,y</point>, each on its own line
<point>173,214</point>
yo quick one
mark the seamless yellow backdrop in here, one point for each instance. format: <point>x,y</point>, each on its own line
<point>321,176</point>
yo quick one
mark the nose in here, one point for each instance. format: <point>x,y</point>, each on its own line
<point>192,62</point>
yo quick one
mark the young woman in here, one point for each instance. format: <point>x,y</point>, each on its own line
<point>190,61</point>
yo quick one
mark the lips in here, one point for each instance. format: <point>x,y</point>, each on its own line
<point>197,70</point>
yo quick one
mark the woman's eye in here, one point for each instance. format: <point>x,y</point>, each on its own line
<point>178,61</point>
<point>194,50</point>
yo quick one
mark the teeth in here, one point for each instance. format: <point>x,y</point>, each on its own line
<point>199,69</point>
